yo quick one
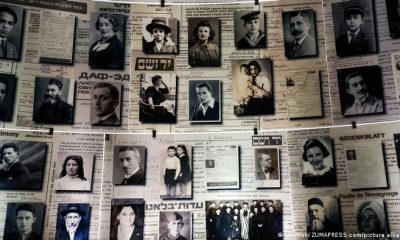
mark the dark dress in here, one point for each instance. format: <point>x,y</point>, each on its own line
<point>157,96</point>
<point>185,170</point>
<point>326,179</point>
<point>111,57</point>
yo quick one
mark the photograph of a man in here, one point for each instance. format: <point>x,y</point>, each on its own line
<point>351,154</point>
<point>7,91</point>
<point>250,29</point>
<point>175,225</point>
<point>24,221</point>
<point>266,166</point>
<point>49,106</point>
<point>299,33</point>
<point>322,215</point>
<point>129,165</point>
<point>106,100</point>
<point>204,101</point>
<point>73,221</point>
<point>11,25</point>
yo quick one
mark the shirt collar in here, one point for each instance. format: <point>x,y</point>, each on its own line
<point>130,175</point>
<point>302,39</point>
<point>105,117</point>
<point>355,33</point>
<point>255,42</point>
<point>363,100</point>
<point>210,104</point>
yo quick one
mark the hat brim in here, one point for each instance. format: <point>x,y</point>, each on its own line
<point>151,26</point>
<point>65,212</point>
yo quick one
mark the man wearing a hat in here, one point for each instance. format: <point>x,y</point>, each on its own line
<point>354,42</point>
<point>72,228</point>
<point>318,222</point>
<point>161,43</point>
<point>254,38</point>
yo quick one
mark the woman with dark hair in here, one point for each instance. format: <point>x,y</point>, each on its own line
<point>314,153</point>
<point>185,176</point>
<point>72,175</point>
<point>371,219</point>
<point>108,52</point>
<point>125,224</point>
<point>203,52</point>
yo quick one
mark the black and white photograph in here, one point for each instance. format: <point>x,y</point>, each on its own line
<point>204,42</point>
<point>175,225</point>
<point>157,102</point>
<point>107,37</point>
<point>322,215</point>
<point>396,137</point>
<point>129,165</point>
<point>11,31</point>
<point>393,16</point>
<point>160,35</point>
<point>250,30</point>
<point>74,171</point>
<point>22,164</point>
<point>127,219</point>
<point>252,85</point>
<point>205,101</point>
<point>106,103</point>
<point>53,101</point>
<point>351,154</point>
<point>371,217</point>
<point>361,91</point>
<point>176,172</point>
<point>299,33</point>
<point>317,164</point>
<point>354,28</point>
<point>244,219</point>
<point>8,84</point>
<point>267,168</point>
<point>395,57</point>
<point>24,221</point>
<point>73,221</point>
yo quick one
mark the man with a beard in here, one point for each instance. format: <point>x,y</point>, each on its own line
<point>318,222</point>
<point>72,228</point>
<point>53,109</point>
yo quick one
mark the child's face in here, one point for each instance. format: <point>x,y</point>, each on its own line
<point>158,34</point>
<point>354,21</point>
<point>171,152</point>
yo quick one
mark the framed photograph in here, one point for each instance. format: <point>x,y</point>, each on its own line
<point>396,137</point>
<point>22,165</point>
<point>160,35</point>
<point>8,85</point>
<point>53,100</point>
<point>73,218</point>
<point>12,32</point>
<point>175,225</point>
<point>106,103</point>
<point>299,33</point>
<point>107,39</point>
<point>252,85</point>
<point>204,42</point>
<point>204,101</point>
<point>129,165</point>
<point>317,165</point>
<point>157,98</point>
<point>250,29</point>
<point>396,72</point>
<point>393,16</point>
<point>241,214</point>
<point>24,219</point>
<point>371,217</point>
<point>127,216</point>
<point>267,168</point>
<point>74,171</point>
<point>361,91</point>
<point>176,171</point>
<point>354,28</point>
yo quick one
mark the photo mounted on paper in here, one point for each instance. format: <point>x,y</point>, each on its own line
<point>160,35</point>
<point>371,217</point>
<point>267,168</point>
<point>175,225</point>
<point>129,165</point>
<point>127,219</point>
<point>396,72</point>
<point>12,27</point>
<point>8,85</point>
<point>393,16</point>
<point>73,218</point>
<point>396,137</point>
<point>250,30</point>
<point>205,101</point>
<point>106,103</point>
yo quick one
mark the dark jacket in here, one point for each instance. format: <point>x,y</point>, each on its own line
<point>82,233</point>
<point>243,43</point>
<point>212,114</point>
<point>58,113</point>
<point>111,57</point>
<point>18,176</point>
<point>273,175</point>
<point>137,233</point>
<point>150,47</point>
<point>361,44</point>
<point>111,120</point>
<point>16,236</point>
<point>11,51</point>
<point>136,179</point>
<point>307,48</point>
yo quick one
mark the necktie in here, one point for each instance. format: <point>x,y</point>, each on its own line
<point>125,182</point>
<point>296,46</point>
<point>3,48</point>
<point>352,35</point>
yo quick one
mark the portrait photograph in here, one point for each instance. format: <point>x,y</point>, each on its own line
<point>53,100</point>
<point>160,35</point>
<point>127,216</point>
<point>252,86</point>
<point>24,220</point>
<point>22,165</point>
<point>8,87</point>
<point>244,219</point>
<point>11,31</point>
<point>176,172</point>
<point>204,42</point>
<point>74,172</point>
<point>317,164</point>
<point>396,138</point>
<point>361,91</point>
<point>106,105</point>
<point>393,17</point>
<point>73,219</point>
<point>205,101</point>
<point>250,30</point>
<point>157,102</point>
<point>395,57</point>
<point>107,38</point>
<point>371,217</point>
<point>267,168</point>
<point>354,28</point>
<point>175,225</point>
<point>351,154</point>
<point>299,33</point>
<point>129,165</point>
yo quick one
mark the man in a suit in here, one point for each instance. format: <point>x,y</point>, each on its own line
<point>25,216</point>
<point>105,100</point>
<point>129,159</point>
<point>8,19</point>
<point>208,109</point>
<point>72,228</point>
<point>13,173</point>
<point>267,171</point>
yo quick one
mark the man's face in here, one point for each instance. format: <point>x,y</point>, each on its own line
<point>204,95</point>
<point>103,103</point>
<point>158,34</point>
<point>129,161</point>
<point>353,21</point>
<point>252,26</point>
<point>171,152</point>
<point>299,27</point>
<point>72,219</point>
<point>25,219</point>
<point>3,90</point>
<point>316,211</point>
<point>7,23</point>
<point>254,71</point>
<point>315,157</point>
<point>369,221</point>
<point>53,94</point>
<point>175,227</point>
<point>9,155</point>
<point>265,161</point>
<point>357,87</point>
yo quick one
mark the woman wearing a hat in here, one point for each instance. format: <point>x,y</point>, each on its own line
<point>161,43</point>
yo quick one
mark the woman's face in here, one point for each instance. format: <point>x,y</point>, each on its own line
<point>315,157</point>
<point>369,221</point>
<point>105,28</point>
<point>71,167</point>
<point>179,150</point>
<point>126,217</point>
<point>203,33</point>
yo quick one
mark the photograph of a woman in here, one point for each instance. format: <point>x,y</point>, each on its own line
<point>108,51</point>
<point>371,217</point>
<point>127,219</point>
<point>159,37</point>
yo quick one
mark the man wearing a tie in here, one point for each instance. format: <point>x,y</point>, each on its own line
<point>73,228</point>
<point>267,171</point>
<point>129,159</point>
<point>8,19</point>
